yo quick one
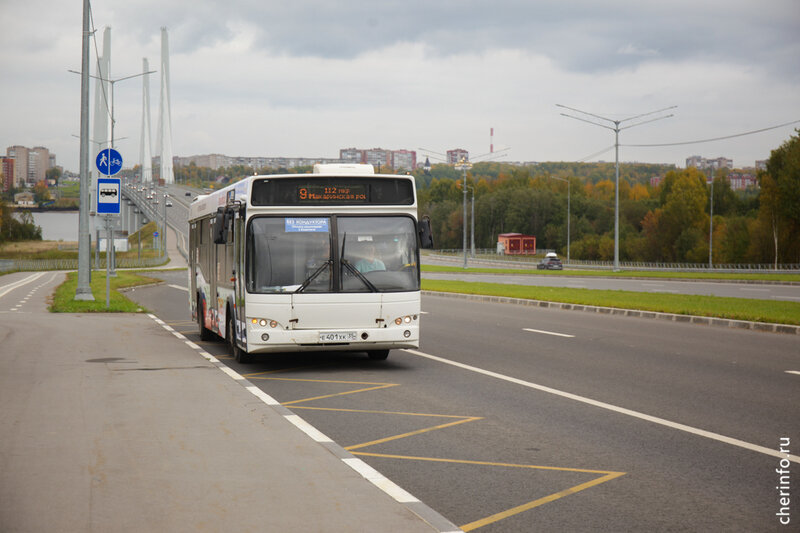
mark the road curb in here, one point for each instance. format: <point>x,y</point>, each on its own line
<point>693,319</point>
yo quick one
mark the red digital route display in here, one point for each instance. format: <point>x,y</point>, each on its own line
<point>351,194</point>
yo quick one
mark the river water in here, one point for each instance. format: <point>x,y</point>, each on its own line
<point>57,225</point>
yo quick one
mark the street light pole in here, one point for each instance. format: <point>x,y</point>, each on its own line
<point>472,226</point>
<point>569,195</point>
<point>616,129</point>
<point>83,291</point>
<point>464,165</point>
<point>711,221</point>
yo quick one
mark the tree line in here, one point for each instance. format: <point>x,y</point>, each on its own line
<point>667,223</point>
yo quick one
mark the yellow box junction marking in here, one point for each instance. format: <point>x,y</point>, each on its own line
<point>460,419</point>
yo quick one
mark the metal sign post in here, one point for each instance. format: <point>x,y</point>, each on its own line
<point>109,190</point>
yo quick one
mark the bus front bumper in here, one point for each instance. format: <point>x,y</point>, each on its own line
<point>265,340</point>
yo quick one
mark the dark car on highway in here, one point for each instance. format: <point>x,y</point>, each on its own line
<point>550,262</point>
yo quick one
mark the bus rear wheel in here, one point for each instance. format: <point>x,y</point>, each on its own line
<point>378,355</point>
<point>205,333</point>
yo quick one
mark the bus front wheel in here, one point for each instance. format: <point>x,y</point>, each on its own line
<point>238,354</point>
<point>378,355</point>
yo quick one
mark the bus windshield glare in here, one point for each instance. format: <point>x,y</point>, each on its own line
<point>331,254</point>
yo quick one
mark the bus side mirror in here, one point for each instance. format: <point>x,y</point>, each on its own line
<point>221,226</point>
<point>425,232</point>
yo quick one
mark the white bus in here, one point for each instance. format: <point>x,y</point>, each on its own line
<point>309,262</point>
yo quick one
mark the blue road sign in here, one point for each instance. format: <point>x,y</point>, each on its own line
<point>109,161</point>
<point>108,196</point>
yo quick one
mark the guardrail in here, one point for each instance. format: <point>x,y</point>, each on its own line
<point>490,256</point>
<point>29,265</point>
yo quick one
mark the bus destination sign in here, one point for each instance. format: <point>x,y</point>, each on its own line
<point>350,194</point>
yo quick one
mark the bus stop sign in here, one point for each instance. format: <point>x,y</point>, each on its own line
<point>108,196</point>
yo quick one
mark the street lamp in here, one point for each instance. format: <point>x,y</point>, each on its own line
<point>616,129</point>
<point>569,195</point>
<point>464,165</point>
<point>711,220</point>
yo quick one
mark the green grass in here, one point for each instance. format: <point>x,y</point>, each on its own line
<point>64,297</point>
<point>779,312</point>
<point>722,276</point>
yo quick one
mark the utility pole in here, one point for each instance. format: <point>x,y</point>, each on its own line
<point>616,129</point>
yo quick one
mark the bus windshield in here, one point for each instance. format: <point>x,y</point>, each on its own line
<point>332,254</point>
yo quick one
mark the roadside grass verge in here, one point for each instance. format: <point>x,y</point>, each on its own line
<point>773,311</point>
<point>64,296</point>
<point>718,276</point>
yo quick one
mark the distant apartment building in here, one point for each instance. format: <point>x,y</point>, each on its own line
<point>351,155</point>
<point>404,159</point>
<point>380,158</point>
<point>456,155</point>
<point>7,169</point>
<point>697,161</point>
<point>219,161</point>
<point>20,156</point>
<point>740,181</point>
<point>761,165</point>
<point>30,164</point>
<point>39,162</point>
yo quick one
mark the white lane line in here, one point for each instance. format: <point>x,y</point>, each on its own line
<point>5,289</point>
<point>308,429</point>
<point>179,287</point>
<point>793,372</point>
<point>750,289</point>
<point>785,297</point>
<point>380,481</point>
<point>616,409</point>
<point>548,333</point>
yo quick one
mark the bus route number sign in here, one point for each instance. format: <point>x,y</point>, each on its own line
<point>332,194</point>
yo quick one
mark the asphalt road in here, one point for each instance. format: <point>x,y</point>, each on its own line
<point>521,419</point>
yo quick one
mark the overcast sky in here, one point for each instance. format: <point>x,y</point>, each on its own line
<point>306,78</point>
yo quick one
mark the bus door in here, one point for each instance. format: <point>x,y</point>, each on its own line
<point>238,274</point>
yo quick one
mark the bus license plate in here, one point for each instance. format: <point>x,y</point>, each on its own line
<point>338,336</point>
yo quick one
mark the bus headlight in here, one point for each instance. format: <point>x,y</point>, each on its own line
<point>264,322</point>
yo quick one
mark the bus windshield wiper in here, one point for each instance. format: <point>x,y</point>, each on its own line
<point>314,275</point>
<point>359,275</point>
<point>349,266</point>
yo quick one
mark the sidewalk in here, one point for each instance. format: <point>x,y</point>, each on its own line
<point>110,422</point>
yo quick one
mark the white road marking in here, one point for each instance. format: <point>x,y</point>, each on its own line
<point>379,480</point>
<point>179,287</point>
<point>308,429</point>
<point>793,372</point>
<point>5,289</point>
<point>616,409</point>
<point>548,332</point>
